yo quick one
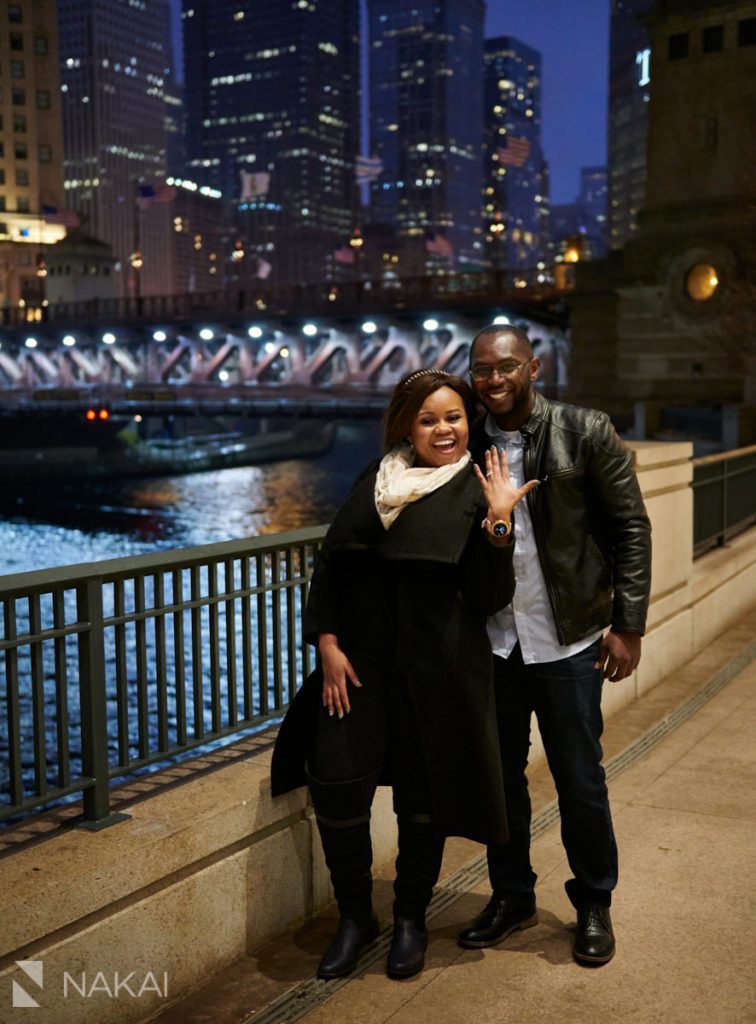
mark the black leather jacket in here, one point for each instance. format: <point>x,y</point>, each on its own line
<point>590,523</point>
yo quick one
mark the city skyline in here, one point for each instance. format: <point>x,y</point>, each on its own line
<point>574,111</point>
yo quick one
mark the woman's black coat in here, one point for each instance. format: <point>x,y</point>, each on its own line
<point>414,600</point>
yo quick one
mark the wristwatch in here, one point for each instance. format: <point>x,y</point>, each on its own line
<point>499,529</point>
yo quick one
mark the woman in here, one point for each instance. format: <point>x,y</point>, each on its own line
<point>403,691</point>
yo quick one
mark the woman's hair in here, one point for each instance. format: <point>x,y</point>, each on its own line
<point>408,397</point>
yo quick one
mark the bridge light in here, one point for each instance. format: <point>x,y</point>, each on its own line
<point>223,375</point>
<point>31,343</point>
<point>137,418</point>
<point>91,414</point>
<point>284,353</point>
<point>430,325</point>
<point>270,347</point>
<point>109,338</point>
<point>104,414</point>
<point>501,321</point>
<point>310,330</point>
<point>206,334</point>
<point>255,332</point>
<point>159,335</point>
<point>369,327</point>
<point>69,341</point>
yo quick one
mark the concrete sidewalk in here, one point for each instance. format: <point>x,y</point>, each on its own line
<point>684,817</point>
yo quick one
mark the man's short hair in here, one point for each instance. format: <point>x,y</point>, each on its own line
<point>523,341</point>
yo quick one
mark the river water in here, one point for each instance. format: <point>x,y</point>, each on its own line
<point>85,523</point>
<point>93,521</point>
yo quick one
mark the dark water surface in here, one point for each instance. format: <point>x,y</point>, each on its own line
<point>88,522</point>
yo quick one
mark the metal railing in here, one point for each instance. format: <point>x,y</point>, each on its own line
<point>724,497</point>
<point>112,666</point>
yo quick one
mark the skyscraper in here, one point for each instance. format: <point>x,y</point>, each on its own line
<point>515,196</point>
<point>426,123</point>
<point>629,78</point>
<point>272,96</point>
<point>31,145</point>
<point>592,207</point>
<point>114,59</point>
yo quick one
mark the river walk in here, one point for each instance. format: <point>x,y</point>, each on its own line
<point>683,790</point>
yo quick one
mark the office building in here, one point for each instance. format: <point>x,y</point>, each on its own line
<point>272,105</point>
<point>200,257</point>
<point>515,192</point>
<point>31,146</point>
<point>426,110</point>
<point>629,81</point>
<point>114,60</point>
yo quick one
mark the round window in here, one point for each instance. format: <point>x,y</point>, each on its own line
<point>701,282</point>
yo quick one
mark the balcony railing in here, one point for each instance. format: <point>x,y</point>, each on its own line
<point>724,497</point>
<point>116,665</point>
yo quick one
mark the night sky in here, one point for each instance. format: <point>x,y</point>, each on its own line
<point>573,39</point>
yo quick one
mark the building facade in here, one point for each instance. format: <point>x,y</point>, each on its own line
<point>199,257</point>
<point>670,321</point>
<point>114,60</point>
<point>31,149</point>
<point>273,102</point>
<point>515,196</point>
<point>426,126</point>
<point>629,93</point>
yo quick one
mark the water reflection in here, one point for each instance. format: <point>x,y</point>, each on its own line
<point>89,522</point>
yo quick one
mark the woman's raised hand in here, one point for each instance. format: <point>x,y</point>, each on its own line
<point>498,490</point>
<point>337,668</point>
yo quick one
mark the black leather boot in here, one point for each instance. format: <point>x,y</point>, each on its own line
<point>343,815</point>
<point>417,869</point>
<point>352,935</point>
<point>500,918</point>
<point>594,942</point>
<point>407,954</point>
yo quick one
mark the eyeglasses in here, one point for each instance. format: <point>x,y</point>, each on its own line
<point>507,367</point>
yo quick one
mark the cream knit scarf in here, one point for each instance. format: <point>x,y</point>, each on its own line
<point>398,482</point>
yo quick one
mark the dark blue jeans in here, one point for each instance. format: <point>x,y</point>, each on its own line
<point>566,698</point>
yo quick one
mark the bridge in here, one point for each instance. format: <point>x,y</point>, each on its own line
<point>240,350</point>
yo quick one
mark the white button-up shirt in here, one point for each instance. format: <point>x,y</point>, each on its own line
<point>529,617</point>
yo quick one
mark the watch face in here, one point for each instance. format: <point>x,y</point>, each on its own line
<point>500,530</point>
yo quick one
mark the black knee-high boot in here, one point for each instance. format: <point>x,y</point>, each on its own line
<point>342,810</point>
<point>417,869</point>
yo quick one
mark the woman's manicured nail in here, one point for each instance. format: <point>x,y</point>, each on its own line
<point>341,715</point>
<point>330,712</point>
<point>358,683</point>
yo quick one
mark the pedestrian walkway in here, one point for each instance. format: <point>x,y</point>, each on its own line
<point>682,786</point>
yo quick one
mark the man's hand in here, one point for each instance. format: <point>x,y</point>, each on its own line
<point>619,654</point>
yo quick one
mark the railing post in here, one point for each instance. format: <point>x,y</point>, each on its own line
<point>94,727</point>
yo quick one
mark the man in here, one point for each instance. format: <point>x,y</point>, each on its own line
<point>582,562</point>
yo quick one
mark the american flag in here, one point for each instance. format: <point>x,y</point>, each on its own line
<point>368,168</point>
<point>515,151</point>
<point>254,185</point>
<point>439,245</point>
<point>157,193</point>
<point>344,254</point>
<point>66,218</point>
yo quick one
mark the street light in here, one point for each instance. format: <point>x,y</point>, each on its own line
<point>159,335</point>
<point>430,325</point>
<point>31,343</point>
<point>255,332</point>
<point>206,334</point>
<point>69,341</point>
<point>369,327</point>
<point>310,330</point>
